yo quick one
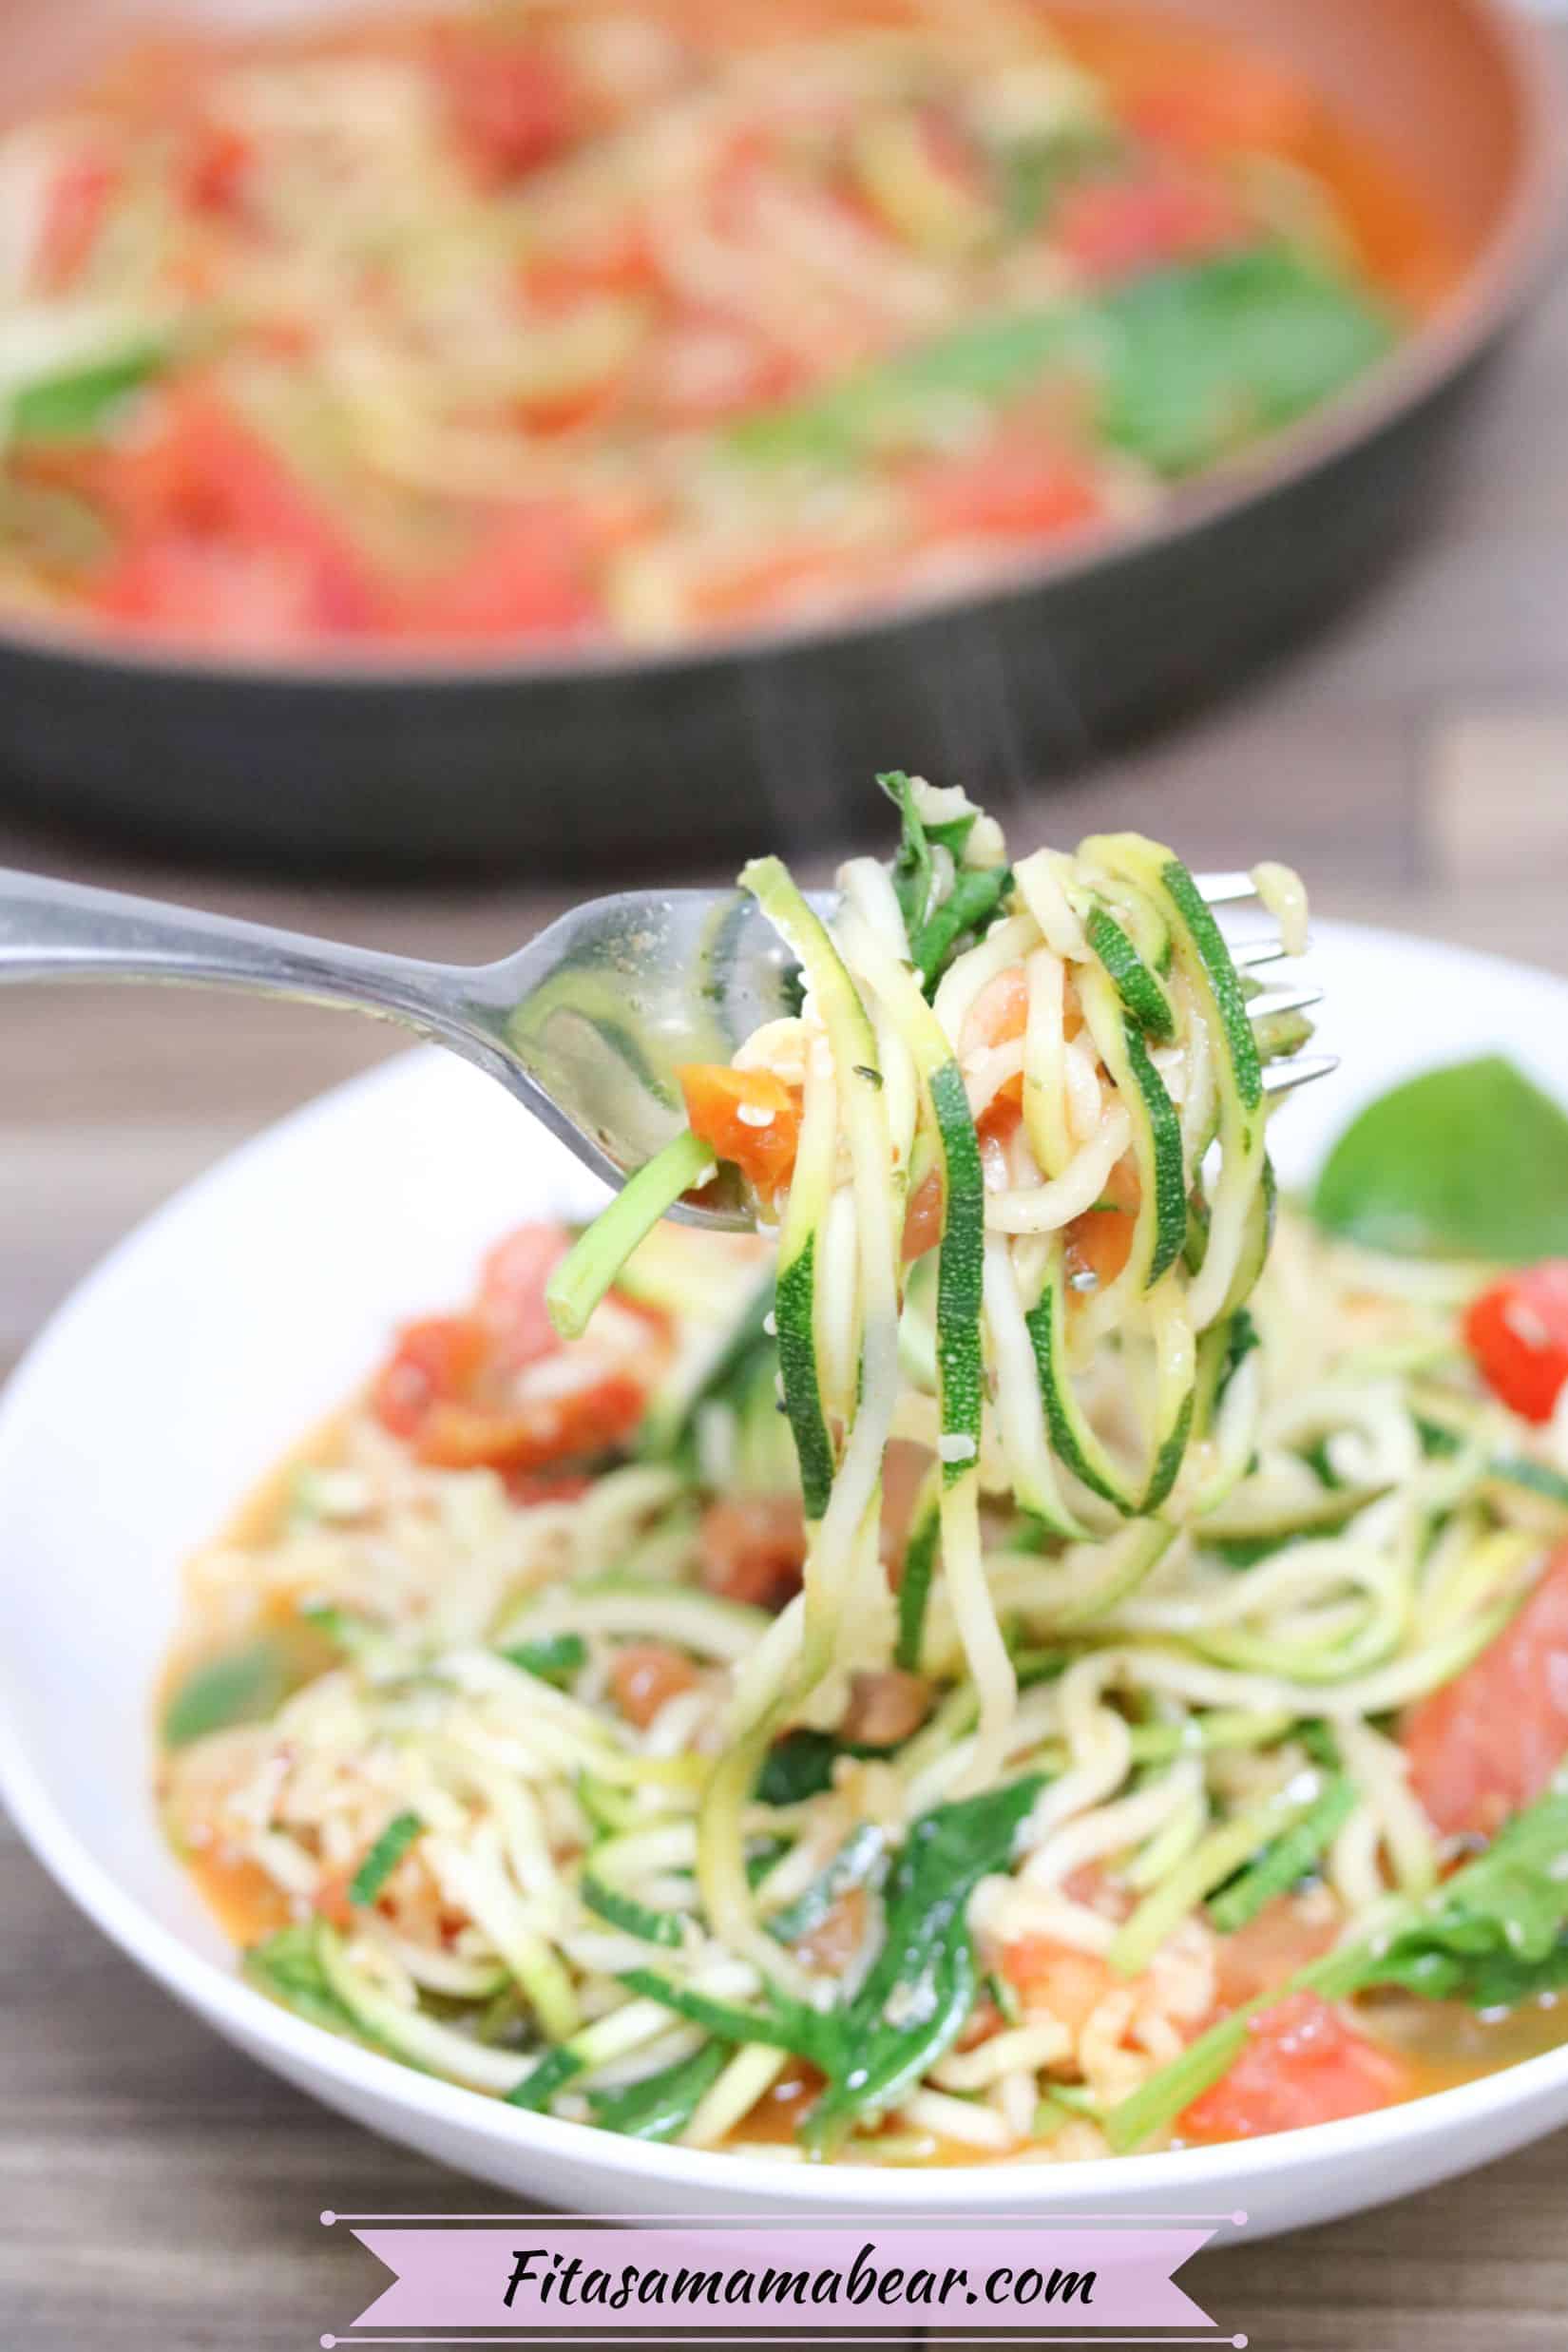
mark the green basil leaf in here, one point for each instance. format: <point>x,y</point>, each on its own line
<point>1466,1162</point>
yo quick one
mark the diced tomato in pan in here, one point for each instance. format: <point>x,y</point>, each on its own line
<point>1112,228</point>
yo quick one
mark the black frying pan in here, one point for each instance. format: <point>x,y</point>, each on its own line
<point>563,765</point>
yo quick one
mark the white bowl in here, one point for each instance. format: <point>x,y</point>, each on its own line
<point>250,1306</point>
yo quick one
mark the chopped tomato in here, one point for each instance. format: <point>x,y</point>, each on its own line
<point>216,170</point>
<point>512,1294</point>
<point>204,496</point>
<point>923,1220</point>
<point>619,261</point>
<point>530,571</point>
<point>1302,2064</point>
<point>753,1548</point>
<point>1101,1241</point>
<point>1005,492</point>
<point>1489,1742</point>
<point>74,215</point>
<point>748,1118</point>
<point>433,1362</point>
<point>513,107</point>
<point>253,598</point>
<point>999,1017</point>
<point>603,1412</point>
<point>1112,228</point>
<point>645,1677</point>
<point>1517,1333</point>
<point>1058,1978</point>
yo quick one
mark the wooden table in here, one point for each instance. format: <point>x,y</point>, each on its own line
<point>161,2192</point>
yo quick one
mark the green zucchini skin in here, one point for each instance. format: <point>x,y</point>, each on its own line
<point>1141,994</point>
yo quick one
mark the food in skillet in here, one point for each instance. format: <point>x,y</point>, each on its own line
<point>1118,1699</point>
<point>562,324</point>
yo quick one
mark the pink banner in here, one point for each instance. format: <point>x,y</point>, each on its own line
<point>531,2274</point>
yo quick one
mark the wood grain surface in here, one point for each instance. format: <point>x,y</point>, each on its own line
<point>158,2191</point>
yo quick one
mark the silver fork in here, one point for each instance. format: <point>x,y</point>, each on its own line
<point>586,1025</point>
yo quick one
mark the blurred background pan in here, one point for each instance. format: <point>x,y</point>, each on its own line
<point>568,762</point>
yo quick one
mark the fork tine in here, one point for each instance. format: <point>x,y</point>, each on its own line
<point>1271,1000</point>
<point>1254,953</point>
<point>1225,889</point>
<point>1280,1078</point>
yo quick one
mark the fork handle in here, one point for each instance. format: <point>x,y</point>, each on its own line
<point>52,930</point>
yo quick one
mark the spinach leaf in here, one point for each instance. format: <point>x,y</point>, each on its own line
<point>1195,362</point>
<point>857,1862</point>
<point>920,1989</point>
<point>796,1767</point>
<point>245,1685</point>
<point>556,1658</point>
<point>1187,363</point>
<point>1470,1160</point>
<point>662,2104</point>
<point>75,405</point>
<point>975,897</point>
<point>1497,1931</point>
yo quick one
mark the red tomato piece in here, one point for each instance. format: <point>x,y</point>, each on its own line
<point>438,1358</point>
<point>215,173</point>
<point>586,1420</point>
<point>1112,228</point>
<point>74,215</point>
<point>252,599</point>
<point>924,1217</point>
<point>1006,492</point>
<point>528,576</point>
<point>513,107</point>
<point>1302,2064</point>
<point>645,1677</point>
<point>1517,1333</point>
<point>749,1119</point>
<point>206,489</point>
<point>1490,1741</point>
<point>512,1294</point>
<point>1057,1977</point>
<point>753,1549</point>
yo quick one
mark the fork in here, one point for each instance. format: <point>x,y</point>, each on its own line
<point>586,1025</point>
